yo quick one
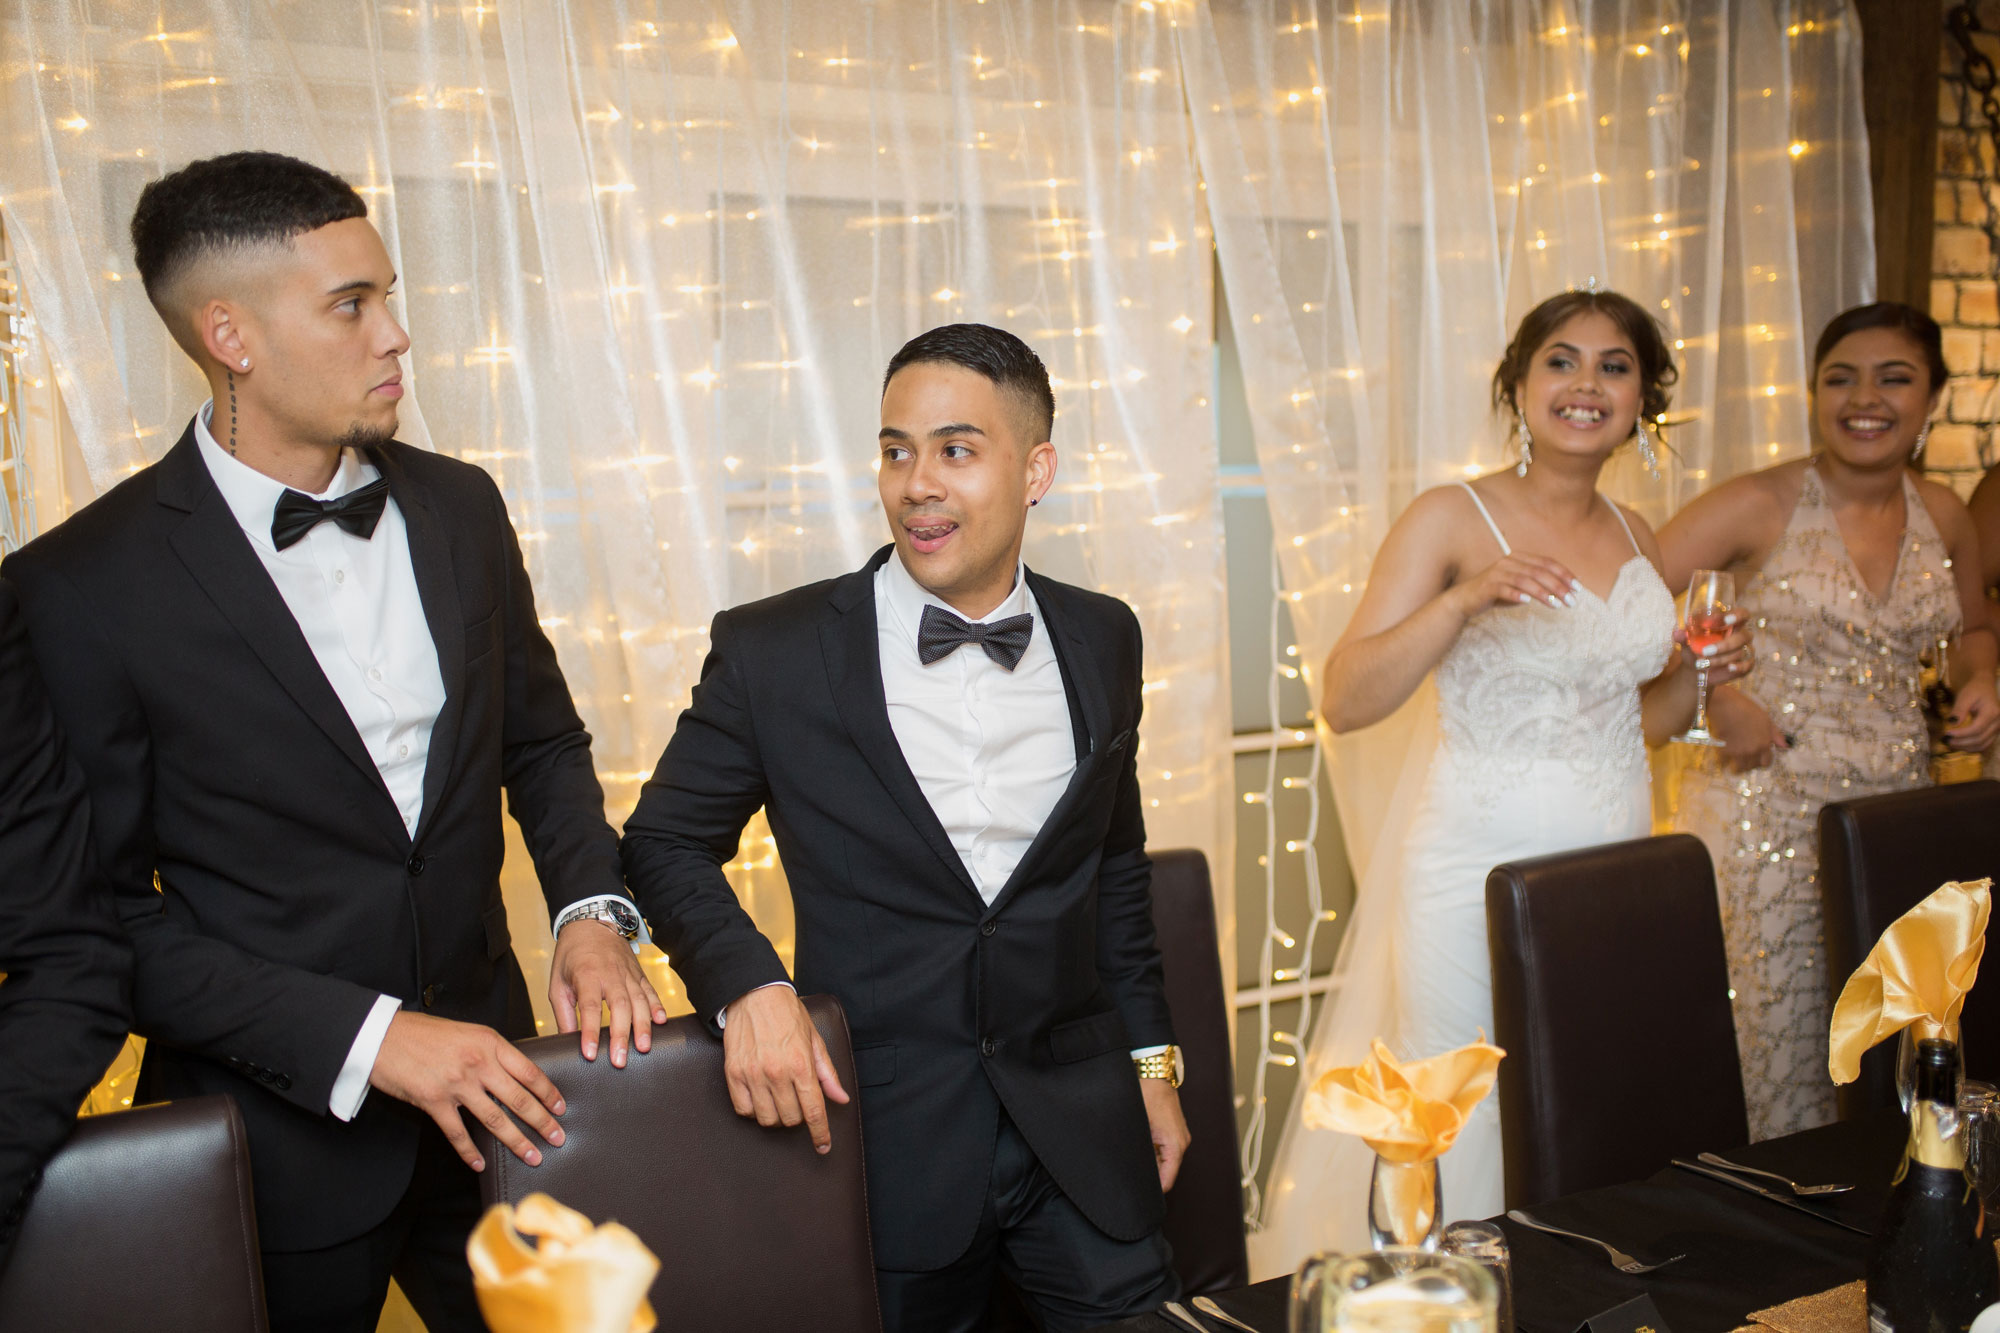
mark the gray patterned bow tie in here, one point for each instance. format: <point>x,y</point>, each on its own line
<point>941,634</point>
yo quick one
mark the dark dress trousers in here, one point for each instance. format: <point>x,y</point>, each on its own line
<point>260,865</point>
<point>66,1001</point>
<point>959,1010</point>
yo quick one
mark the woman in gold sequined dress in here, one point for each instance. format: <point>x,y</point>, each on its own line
<point>1850,567</point>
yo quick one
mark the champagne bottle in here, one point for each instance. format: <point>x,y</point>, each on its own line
<point>1932,1267</point>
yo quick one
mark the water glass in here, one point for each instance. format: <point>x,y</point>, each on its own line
<point>1397,1290</point>
<point>1979,1127</point>
<point>1486,1245</point>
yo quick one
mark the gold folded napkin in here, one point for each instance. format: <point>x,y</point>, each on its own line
<point>1409,1114</point>
<point>580,1279</point>
<point>1916,975</point>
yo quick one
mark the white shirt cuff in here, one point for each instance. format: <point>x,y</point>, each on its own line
<point>644,936</point>
<point>350,1089</point>
<point>722,1014</point>
<point>1144,1051</point>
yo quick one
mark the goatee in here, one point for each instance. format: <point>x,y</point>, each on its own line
<point>362,438</point>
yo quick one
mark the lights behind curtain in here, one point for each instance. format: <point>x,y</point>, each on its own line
<point>653,260</point>
<point>1394,183</point>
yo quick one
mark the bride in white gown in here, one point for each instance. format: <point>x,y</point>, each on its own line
<point>1540,607</point>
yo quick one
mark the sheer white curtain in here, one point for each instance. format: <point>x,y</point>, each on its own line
<point>654,258</point>
<point>1393,183</point>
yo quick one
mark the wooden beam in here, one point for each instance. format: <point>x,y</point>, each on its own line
<point>1902,44</point>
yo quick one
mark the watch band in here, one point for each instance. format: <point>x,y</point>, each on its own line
<point>1166,1064</point>
<point>616,914</point>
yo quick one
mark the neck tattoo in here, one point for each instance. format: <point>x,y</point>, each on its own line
<point>232,410</point>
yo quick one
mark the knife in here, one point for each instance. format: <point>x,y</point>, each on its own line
<point>1772,1195</point>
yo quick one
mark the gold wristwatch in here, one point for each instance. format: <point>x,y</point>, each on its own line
<point>1166,1064</point>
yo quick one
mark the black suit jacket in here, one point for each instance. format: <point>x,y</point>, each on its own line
<point>957,1009</point>
<point>66,1002</point>
<point>220,761</point>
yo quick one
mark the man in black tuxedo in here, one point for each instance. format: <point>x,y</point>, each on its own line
<point>945,746</point>
<point>65,1002</point>
<point>298,662</point>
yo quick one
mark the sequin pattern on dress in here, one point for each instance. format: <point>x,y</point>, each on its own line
<point>1837,670</point>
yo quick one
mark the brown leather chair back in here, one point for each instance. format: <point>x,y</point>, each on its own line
<point>1879,857</point>
<point>1611,999</point>
<point>1205,1207</point>
<point>753,1229</point>
<point>159,1196</point>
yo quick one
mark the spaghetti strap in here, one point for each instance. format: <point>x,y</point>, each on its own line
<point>1491,526</point>
<point>1619,514</point>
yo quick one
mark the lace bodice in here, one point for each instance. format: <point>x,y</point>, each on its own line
<point>1530,683</point>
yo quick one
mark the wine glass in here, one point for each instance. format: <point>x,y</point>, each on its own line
<point>1708,613</point>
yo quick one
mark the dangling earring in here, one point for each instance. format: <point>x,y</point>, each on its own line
<point>1923,437</point>
<point>1527,445</point>
<point>1646,454</point>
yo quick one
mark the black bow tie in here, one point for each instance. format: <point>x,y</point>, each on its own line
<point>358,511</point>
<point>941,634</point>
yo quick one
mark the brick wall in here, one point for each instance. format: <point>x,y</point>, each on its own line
<point>1964,296</point>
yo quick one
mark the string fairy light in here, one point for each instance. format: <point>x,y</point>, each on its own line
<point>716,408</point>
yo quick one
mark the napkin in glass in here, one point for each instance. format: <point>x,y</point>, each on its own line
<point>1408,1113</point>
<point>579,1279</point>
<point>1916,975</point>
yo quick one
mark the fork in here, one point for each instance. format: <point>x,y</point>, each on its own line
<point>1620,1260</point>
<point>1214,1311</point>
<point>1803,1191</point>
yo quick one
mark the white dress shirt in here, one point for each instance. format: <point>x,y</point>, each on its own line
<point>992,749</point>
<point>355,599</point>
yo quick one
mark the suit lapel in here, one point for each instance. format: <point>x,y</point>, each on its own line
<point>1083,682</point>
<point>216,552</point>
<point>437,588</point>
<point>854,671</point>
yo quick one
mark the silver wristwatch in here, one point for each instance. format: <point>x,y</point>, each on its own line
<point>613,912</point>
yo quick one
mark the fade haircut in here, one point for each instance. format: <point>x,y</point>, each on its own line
<point>233,202</point>
<point>997,354</point>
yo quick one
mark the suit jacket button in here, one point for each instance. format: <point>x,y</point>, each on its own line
<point>989,928</point>
<point>430,996</point>
<point>986,1046</point>
<point>415,865</point>
<point>284,1082</point>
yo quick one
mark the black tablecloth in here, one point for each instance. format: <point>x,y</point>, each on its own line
<point>1743,1253</point>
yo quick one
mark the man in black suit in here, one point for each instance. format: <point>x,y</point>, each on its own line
<point>298,662</point>
<point>945,746</point>
<point>65,1001</point>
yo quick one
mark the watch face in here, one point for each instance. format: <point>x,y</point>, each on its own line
<point>627,920</point>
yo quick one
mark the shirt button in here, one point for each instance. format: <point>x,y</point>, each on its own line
<point>402,752</point>
<point>340,576</point>
<point>374,673</point>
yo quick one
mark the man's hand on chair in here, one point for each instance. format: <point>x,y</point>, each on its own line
<point>777,1067</point>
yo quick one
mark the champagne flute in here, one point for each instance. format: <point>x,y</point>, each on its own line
<point>1708,613</point>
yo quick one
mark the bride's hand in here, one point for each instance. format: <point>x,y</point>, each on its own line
<point>1750,739</point>
<point>1515,579</point>
<point>1729,660</point>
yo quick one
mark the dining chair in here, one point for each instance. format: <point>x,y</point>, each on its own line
<point>158,1196</point>
<point>753,1229</point>
<point>1204,1223</point>
<point>1205,1207</point>
<point>1611,999</point>
<point>1879,856</point>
